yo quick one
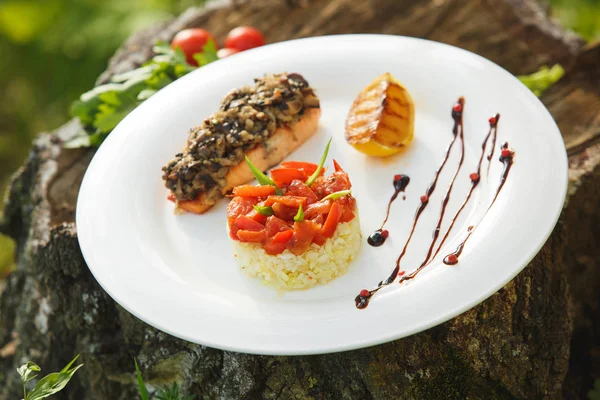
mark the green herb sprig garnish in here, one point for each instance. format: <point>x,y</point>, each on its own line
<point>315,175</point>
<point>264,210</point>
<point>299,217</point>
<point>262,178</point>
<point>337,195</point>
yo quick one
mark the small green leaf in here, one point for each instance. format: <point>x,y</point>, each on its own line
<point>260,177</point>
<point>315,175</point>
<point>160,79</point>
<point>66,368</point>
<point>179,58</point>
<point>144,71</point>
<point>85,110</point>
<point>208,55</point>
<point>541,80</point>
<point>52,383</point>
<point>109,117</point>
<point>111,97</point>
<point>140,380</point>
<point>264,210</point>
<point>27,371</point>
<point>337,195</point>
<point>299,217</point>
<point>98,90</point>
<point>162,48</point>
<point>146,94</point>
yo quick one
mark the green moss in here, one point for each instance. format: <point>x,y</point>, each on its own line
<point>7,255</point>
<point>456,380</point>
<point>170,369</point>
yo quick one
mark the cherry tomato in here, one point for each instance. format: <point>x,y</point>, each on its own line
<point>191,41</point>
<point>226,52</point>
<point>244,38</point>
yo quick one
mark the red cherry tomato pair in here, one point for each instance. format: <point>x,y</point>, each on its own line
<point>192,41</point>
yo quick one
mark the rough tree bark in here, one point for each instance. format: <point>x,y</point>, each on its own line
<point>516,344</point>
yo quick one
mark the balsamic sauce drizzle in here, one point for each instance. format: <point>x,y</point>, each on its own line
<point>494,122</point>
<point>436,231</point>
<point>506,158</point>
<point>362,300</point>
<point>377,238</point>
<point>474,182</point>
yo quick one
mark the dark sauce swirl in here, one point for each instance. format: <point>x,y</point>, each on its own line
<point>506,158</point>
<point>378,237</point>
<point>493,122</point>
<point>475,178</point>
<point>363,298</point>
<point>436,231</point>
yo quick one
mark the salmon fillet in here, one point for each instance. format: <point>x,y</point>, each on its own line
<point>266,122</point>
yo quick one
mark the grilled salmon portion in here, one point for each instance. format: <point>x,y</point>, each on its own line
<point>266,122</point>
<point>263,156</point>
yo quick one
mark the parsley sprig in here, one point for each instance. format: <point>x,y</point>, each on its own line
<point>102,108</point>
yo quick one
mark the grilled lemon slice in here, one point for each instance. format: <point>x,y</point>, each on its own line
<point>381,120</point>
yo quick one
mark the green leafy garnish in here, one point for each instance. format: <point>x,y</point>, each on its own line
<point>102,108</point>
<point>264,210</point>
<point>140,381</point>
<point>208,55</point>
<point>541,80</point>
<point>260,177</point>
<point>337,195</point>
<point>315,175</point>
<point>48,385</point>
<point>299,217</point>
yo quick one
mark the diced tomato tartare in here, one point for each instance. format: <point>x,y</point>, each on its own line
<point>257,214</point>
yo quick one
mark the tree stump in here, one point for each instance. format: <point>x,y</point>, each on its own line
<point>534,338</point>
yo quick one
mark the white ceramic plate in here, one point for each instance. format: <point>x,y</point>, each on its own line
<point>178,274</point>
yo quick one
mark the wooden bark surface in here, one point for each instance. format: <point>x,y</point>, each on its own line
<point>532,339</point>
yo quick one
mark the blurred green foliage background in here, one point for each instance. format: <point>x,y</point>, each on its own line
<point>51,51</point>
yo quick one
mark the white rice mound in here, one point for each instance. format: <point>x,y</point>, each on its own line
<point>317,265</point>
